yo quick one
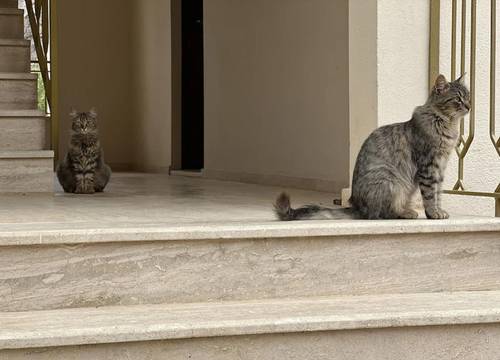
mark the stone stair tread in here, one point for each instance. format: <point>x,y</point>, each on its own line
<point>42,154</point>
<point>22,114</point>
<point>11,11</point>
<point>14,42</point>
<point>105,232</point>
<point>18,76</point>
<point>118,324</point>
<point>6,4</point>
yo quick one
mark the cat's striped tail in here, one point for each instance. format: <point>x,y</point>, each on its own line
<point>285,212</point>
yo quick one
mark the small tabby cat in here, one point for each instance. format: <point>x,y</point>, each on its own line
<point>399,159</point>
<point>83,170</point>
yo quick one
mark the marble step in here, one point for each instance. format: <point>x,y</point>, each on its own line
<point>354,327</point>
<point>23,130</point>
<point>11,23</point>
<point>52,266</point>
<point>14,56</point>
<point>18,91</point>
<point>26,172</point>
<point>9,4</point>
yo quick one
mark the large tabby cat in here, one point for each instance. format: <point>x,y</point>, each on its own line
<point>83,170</point>
<point>399,159</point>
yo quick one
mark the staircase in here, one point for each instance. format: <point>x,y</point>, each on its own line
<point>417,290</point>
<point>25,164</point>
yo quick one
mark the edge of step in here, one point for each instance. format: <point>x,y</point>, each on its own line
<point>18,76</point>
<point>11,11</point>
<point>22,114</point>
<point>119,324</point>
<point>77,233</point>
<point>35,154</point>
<point>15,42</point>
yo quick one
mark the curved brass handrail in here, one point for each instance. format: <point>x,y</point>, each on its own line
<point>38,14</point>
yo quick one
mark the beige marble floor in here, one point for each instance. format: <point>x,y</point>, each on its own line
<point>153,198</point>
<point>147,207</point>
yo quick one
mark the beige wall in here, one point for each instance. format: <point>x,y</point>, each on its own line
<point>277,83</point>
<point>153,90</point>
<point>115,55</point>
<point>363,92</point>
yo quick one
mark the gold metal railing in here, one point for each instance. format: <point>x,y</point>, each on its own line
<point>42,19</point>
<point>465,141</point>
<point>38,14</point>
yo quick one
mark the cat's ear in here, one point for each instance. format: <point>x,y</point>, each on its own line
<point>93,112</point>
<point>461,79</point>
<point>73,113</point>
<point>441,86</point>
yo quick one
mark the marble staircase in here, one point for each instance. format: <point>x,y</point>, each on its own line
<point>307,290</point>
<point>25,163</point>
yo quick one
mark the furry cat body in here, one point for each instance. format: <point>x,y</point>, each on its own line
<point>83,170</point>
<point>398,160</point>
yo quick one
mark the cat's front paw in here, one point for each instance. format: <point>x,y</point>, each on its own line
<point>436,214</point>
<point>408,214</point>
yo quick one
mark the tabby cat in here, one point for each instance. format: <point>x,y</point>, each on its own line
<point>398,160</point>
<point>83,170</point>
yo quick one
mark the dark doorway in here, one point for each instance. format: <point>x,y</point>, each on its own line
<point>192,108</point>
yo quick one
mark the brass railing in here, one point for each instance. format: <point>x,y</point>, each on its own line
<point>465,141</point>
<point>42,16</point>
<point>38,14</point>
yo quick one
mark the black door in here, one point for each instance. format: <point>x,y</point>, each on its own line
<point>192,85</point>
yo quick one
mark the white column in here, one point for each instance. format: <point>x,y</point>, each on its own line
<point>388,65</point>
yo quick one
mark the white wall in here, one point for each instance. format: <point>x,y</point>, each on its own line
<point>277,91</point>
<point>403,58</point>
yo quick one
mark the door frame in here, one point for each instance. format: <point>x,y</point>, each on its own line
<point>176,19</point>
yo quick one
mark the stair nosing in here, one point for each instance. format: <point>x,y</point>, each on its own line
<point>11,11</point>
<point>22,114</point>
<point>26,154</point>
<point>18,76</point>
<point>14,42</point>
<point>75,233</point>
<point>135,323</point>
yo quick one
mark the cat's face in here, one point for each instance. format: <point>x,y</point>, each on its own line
<point>84,122</point>
<point>451,98</point>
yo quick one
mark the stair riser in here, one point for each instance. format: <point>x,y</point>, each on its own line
<point>8,4</point>
<point>14,59</point>
<point>23,134</point>
<point>18,94</point>
<point>11,26</point>
<point>419,343</point>
<point>51,277</point>
<point>32,175</point>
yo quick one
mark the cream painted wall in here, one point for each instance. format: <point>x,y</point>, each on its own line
<point>95,70</point>
<point>153,90</point>
<point>115,55</point>
<point>363,74</point>
<point>277,88</point>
